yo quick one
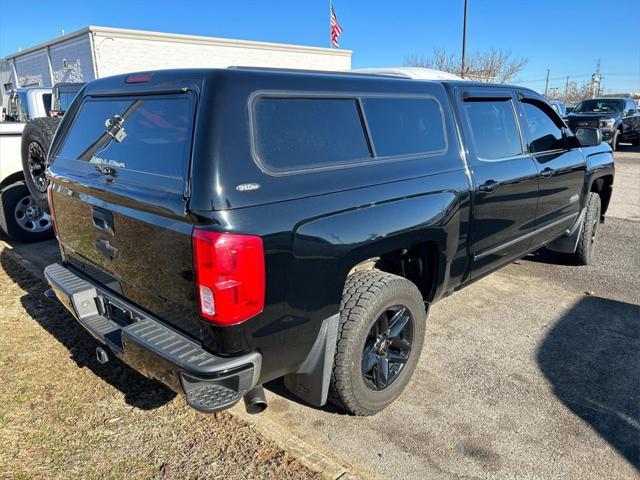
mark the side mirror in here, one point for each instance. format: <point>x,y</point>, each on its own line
<point>632,112</point>
<point>588,137</point>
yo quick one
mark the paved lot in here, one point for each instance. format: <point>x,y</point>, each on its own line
<point>533,372</point>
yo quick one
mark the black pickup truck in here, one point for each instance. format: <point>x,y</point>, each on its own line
<point>223,228</point>
<point>617,118</point>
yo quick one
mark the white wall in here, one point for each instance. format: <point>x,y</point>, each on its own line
<point>121,51</point>
<point>71,61</point>
<point>33,69</point>
<point>76,53</point>
<point>115,55</point>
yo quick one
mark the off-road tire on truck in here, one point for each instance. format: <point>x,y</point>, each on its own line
<point>36,140</point>
<point>25,220</point>
<point>615,140</point>
<point>382,320</point>
<point>586,242</point>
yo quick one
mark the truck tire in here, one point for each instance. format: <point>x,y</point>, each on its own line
<point>36,140</point>
<point>586,242</point>
<point>25,220</point>
<point>615,140</point>
<point>380,337</point>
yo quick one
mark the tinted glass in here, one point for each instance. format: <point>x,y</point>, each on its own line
<point>46,100</point>
<point>404,126</point>
<point>302,133</point>
<point>65,99</point>
<point>542,132</point>
<point>152,135</point>
<point>630,107</point>
<point>494,128</point>
<point>599,106</point>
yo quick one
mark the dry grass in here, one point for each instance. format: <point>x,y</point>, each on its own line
<point>62,415</point>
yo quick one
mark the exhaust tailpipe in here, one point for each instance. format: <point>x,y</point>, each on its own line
<point>255,401</point>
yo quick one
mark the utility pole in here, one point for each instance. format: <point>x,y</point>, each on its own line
<point>596,80</point>
<point>464,41</point>
<point>546,85</point>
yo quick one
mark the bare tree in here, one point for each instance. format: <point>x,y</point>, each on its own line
<point>574,93</point>
<point>495,65</point>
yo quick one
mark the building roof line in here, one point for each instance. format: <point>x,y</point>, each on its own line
<point>39,46</point>
<point>181,38</point>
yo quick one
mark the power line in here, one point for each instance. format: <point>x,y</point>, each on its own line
<point>575,76</point>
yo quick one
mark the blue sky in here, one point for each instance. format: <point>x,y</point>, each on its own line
<point>567,37</point>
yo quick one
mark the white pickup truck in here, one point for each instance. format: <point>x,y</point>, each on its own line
<point>20,216</point>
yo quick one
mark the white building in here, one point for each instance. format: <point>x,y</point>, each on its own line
<point>95,52</point>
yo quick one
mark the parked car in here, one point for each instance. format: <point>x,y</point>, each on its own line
<point>63,95</point>
<point>20,216</point>
<point>36,140</point>
<point>617,118</point>
<point>559,107</point>
<point>223,228</point>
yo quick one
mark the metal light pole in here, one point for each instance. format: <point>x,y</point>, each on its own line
<point>464,41</point>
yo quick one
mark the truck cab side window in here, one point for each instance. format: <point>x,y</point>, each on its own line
<point>494,128</point>
<point>543,132</point>
<point>630,108</point>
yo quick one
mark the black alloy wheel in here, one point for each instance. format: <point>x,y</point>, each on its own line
<point>387,348</point>
<point>37,165</point>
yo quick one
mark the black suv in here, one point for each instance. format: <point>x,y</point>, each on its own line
<point>617,118</point>
<point>223,228</point>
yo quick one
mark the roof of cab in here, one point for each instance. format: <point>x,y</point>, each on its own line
<point>178,79</point>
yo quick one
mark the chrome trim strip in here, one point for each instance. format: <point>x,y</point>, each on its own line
<point>493,250</point>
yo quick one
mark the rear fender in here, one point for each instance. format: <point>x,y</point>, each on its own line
<point>332,245</point>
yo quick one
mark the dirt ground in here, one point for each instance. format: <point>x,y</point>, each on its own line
<point>65,416</point>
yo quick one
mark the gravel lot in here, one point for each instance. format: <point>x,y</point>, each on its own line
<point>532,372</point>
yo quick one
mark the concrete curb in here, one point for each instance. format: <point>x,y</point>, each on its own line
<point>305,453</point>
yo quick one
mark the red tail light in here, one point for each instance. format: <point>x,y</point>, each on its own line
<point>229,276</point>
<point>52,211</point>
<point>138,78</point>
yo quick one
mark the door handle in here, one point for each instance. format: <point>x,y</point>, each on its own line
<point>547,172</point>
<point>488,186</point>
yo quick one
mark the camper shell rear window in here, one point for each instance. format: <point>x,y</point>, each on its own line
<point>145,135</point>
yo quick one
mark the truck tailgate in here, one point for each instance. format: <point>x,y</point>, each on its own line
<point>118,194</point>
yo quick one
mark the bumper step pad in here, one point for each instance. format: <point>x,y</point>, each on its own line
<point>211,397</point>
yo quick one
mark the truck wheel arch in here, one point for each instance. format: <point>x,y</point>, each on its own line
<point>603,186</point>
<point>418,263</point>
<point>11,179</point>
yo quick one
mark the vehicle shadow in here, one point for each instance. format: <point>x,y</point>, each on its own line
<point>278,387</point>
<point>138,390</point>
<point>591,358</point>
<point>547,256</point>
<point>627,147</point>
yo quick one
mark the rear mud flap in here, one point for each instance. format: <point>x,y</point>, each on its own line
<point>569,243</point>
<point>311,381</point>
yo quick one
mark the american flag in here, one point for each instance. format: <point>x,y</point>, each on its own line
<point>336,29</point>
